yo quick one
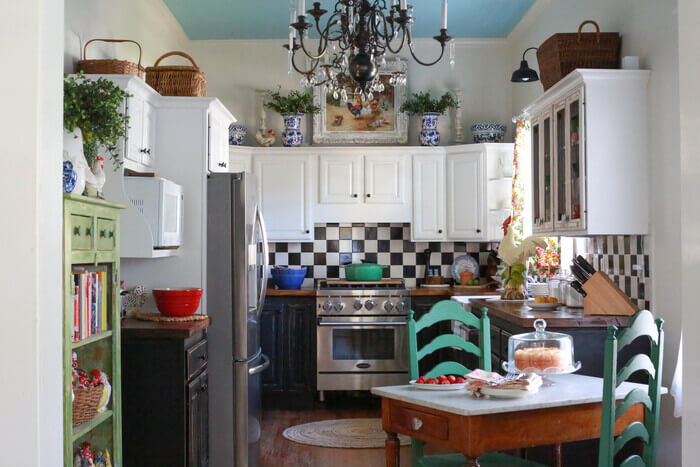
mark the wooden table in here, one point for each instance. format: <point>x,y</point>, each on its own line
<point>570,410</point>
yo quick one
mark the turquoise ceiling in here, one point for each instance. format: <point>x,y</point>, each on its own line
<point>269,19</point>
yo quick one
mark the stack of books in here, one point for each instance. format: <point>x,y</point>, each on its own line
<point>89,303</point>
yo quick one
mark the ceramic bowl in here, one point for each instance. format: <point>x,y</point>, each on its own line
<point>237,134</point>
<point>287,278</point>
<point>177,302</point>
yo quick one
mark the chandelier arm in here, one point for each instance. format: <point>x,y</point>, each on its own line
<point>321,50</point>
<point>403,42</point>
<point>410,48</point>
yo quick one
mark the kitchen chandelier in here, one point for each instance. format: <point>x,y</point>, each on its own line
<point>353,43</point>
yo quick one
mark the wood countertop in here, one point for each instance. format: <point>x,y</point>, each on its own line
<point>291,293</point>
<point>132,327</point>
<point>516,312</point>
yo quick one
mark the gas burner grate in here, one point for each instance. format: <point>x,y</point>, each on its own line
<point>359,285</point>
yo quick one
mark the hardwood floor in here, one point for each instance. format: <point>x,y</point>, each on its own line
<point>277,451</point>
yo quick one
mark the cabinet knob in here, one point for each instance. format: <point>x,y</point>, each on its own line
<point>111,234</point>
<point>478,230</point>
<point>307,231</point>
<point>204,387</point>
<point>416,423</point>
<point>149,151</point>
<point>88,231</point>
<point>78,231</point>
<point>222,164</point>
<point>440,231</point>
<point>203,357</point>
<point>369,195</point>
<point>354,195</point>
<point>103,233</point>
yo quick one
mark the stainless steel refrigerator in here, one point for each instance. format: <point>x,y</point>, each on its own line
<point>237,273</point>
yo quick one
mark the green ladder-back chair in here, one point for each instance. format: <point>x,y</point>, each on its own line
<point>449,310</point>
<point>643,324</point>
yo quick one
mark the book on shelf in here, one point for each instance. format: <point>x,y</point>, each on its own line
<point>89,303</point>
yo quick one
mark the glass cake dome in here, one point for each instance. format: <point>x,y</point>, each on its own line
<point>541,352</point>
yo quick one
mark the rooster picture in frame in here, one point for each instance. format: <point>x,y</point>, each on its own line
<point>358,120</point>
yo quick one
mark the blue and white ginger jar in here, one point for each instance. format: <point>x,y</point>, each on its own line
<point>292,136</point>
<point>488,132</point>
<point>70,177</point>
<point>429,134</point>
<point>237,134</point>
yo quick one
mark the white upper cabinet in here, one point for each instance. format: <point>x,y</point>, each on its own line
<point>428,197</point>
<point>590,155</point>
<point>218,155</point>
<point>465,195</point>
<point>148,135</point>
<point>385,178</point>
<point>239,159</point>
<point>286,187</point>
<point>340,179</point>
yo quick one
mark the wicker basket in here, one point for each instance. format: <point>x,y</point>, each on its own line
<point>86,402</point>
<point>111,67</point>
<point>564,52</point>
<point>177,80</point>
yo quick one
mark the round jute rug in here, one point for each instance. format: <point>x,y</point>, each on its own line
<point>342,433</point>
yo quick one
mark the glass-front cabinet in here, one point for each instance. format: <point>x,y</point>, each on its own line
<point>558,166</point>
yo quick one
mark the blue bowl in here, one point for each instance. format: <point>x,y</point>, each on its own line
<point>288,279</point>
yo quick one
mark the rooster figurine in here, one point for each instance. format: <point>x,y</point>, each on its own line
<point>265,138</point>
<point>515,259</point>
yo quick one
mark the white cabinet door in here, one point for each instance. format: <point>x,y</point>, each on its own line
<point>340,179</point>
<point>218,143</point>
<point>465,196</point>
<point>239,159</point>
<point>285,186</point>
<point>134,143</point>
<point>148,135</point>
<point>384,178</point>
<point>428,197</point>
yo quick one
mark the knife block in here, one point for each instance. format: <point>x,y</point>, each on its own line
<point>604,297</point>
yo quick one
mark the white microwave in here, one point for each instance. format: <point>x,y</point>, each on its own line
<point>160,201</point>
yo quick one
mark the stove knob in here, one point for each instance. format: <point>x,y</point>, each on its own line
<point>402,306</point>
<point>357,305</point>
<point>327,306</point>
<point>369,304</point>
<point>388,306</point>
<point>338,306</point>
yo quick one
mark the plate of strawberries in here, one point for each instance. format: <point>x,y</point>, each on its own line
<point>440,383</point>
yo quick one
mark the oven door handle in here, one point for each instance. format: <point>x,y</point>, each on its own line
<point>375,323</point>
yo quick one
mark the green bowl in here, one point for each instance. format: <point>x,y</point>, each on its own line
<point>366,272</point>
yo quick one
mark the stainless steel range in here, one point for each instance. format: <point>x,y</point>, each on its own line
<point>362,334</point>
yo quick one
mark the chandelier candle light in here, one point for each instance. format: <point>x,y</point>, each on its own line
<point>353,43</point>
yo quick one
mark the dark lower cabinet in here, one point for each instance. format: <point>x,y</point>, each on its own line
<point>288,337</point>
<point>165,393</point>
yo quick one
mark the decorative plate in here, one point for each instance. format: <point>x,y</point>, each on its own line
<point>573,368</point>
<point>542,306</point>
<point>465,263</point>
<point>438,387</point>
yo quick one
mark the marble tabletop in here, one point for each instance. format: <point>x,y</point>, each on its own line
<point>567,390</point>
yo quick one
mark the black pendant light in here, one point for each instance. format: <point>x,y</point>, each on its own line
<point>525,74</point>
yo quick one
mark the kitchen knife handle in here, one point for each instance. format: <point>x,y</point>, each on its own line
<point>585,265</point>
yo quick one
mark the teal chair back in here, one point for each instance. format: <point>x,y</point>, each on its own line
<point>643,325</point>
<point>449,310</point>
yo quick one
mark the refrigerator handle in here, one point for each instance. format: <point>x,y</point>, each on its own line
<point>266,258</point>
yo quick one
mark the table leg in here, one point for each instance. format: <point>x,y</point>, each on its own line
<point>472,462</point>
<point>555,455</point>
<point>392,447</point>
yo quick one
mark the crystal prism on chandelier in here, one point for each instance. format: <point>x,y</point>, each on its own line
<point>353,43</point>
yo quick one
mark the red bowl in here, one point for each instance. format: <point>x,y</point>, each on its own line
<point>177,302</point>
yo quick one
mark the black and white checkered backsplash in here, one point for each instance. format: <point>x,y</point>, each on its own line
<point>385,244</point>
<point>625,258</point>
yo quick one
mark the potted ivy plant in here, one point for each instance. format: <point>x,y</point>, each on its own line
<point>430,108</point>
<point>292,107</point>
<point>92,111</point>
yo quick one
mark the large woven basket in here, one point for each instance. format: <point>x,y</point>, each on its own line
<point>86,402</point>
<point>564,52</point>
<point>177,80</point>
<point>110,66</point>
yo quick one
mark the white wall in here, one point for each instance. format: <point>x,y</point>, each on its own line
<point>689,58</point>
<point>236,68</point>
<point>148,22</point>
<point>30,240</point>
<point>649,29</point>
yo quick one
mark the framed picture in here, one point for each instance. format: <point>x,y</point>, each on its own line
<point>354,122</point>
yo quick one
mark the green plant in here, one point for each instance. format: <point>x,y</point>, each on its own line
<point>294,103</point>
<point>422,102</point>
<point>95,106</point>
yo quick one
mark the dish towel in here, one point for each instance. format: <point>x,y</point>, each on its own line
<point>677,384</point>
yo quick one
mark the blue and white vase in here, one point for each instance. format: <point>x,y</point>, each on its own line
<point>70,177</point>
<point>292,136</point>
<point>429,134</point>
<point>237,134</point>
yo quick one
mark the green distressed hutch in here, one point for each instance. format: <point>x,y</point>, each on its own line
<point>91,241</point>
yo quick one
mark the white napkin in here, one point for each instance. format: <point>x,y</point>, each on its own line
<point>677,384</point>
